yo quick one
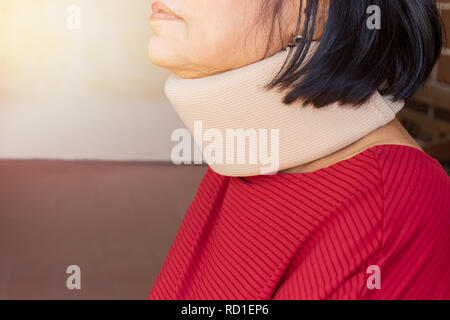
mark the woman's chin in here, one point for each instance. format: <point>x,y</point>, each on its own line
<point>159,54</point>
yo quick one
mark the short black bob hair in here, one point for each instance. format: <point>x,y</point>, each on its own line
<point>352,61</point>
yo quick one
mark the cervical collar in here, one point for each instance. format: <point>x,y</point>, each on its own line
<point>286,136</point>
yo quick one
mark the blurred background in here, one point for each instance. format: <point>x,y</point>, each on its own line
<point>88,93</point>
<point>85,177</point>
<point>427,115</point>
<point>85,172</point>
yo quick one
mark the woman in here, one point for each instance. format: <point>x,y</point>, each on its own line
<point>350,207</point>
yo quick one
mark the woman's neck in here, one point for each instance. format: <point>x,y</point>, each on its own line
<point>275,136</point>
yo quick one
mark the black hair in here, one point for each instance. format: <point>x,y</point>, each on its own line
<point>352,61</point>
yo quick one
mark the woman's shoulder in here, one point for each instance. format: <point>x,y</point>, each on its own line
<point>409,176</point>
<point>392,170</point>
<point>407,165</point>
<point>401,179</point>
<point>405,152</point>
<point>415,189</point>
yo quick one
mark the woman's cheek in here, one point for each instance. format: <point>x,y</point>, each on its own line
<point>207,42</point>
<point>226,41</point>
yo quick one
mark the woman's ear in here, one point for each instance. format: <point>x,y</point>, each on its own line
<point>321,18</point>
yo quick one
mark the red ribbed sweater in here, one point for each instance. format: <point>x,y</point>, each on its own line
<point>314,235</point>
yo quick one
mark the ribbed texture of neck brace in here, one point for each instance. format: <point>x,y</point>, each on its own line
<point>237,99</point>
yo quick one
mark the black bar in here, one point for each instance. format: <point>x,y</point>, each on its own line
<point>199,310</point>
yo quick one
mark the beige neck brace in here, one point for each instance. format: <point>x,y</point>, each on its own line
<point>278,136</point>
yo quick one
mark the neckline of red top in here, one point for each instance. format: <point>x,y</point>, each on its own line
<point>341,163</point>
